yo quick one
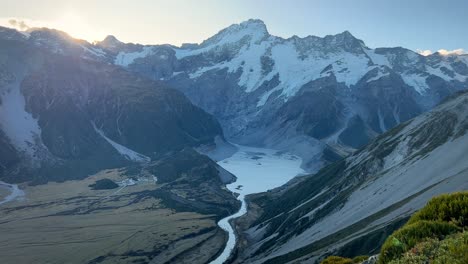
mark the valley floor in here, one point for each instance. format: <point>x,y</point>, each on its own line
<point>70,223</point>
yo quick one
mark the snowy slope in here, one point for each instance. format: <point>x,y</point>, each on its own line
<point>19,126</point>
<point>299,60</point>
<point>124,151</point>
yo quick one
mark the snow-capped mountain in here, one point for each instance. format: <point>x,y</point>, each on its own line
<point>319,98</point>
<point>64,113</point>
<point>313,96</point>
<point>352,205</point>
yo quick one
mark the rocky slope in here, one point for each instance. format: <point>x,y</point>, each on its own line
<point>315,96</point>
<point>65,114</point>
<point>351,206</point>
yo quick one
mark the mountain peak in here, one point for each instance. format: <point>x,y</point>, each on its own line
<point>253,28</point>
<point>254,23</point>
<point>110,42</point>
<point>110,38</point>
<point>346,40</point>
<point>345,36</point>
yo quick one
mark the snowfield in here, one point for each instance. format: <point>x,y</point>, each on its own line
<point>257,170</point>
<point>124,151</point>
<point>19,126</point>
<point>15,192</point>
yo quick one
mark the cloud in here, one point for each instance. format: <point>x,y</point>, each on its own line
<point>451,52</point>
<point>442,52</point>
<point>73,25</point>
<point>19,24</point>
<point>424,52</point>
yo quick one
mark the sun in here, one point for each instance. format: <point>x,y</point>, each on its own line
<point>77,27</point>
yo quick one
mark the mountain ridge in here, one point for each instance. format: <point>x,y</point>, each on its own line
<point>61,111</point>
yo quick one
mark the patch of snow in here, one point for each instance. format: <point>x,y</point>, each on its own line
<point>396,115</point>
<point>248,61</point>
<point>439,73</point>
<point>418,82</point>
<point>378,59</point>
<point>379,75</point>
<point>176,73</point>
<point>411,55</point>
<point>231,35</point>
<point>126,182</point>
<point>397,156</point>
<point>351,68</point>
<point>15,192</point>
<point>19,126</point>
<point>95,51</point>
<point>294,70</point>
<point>124,151</point>
<point>124,59</point>
<point>264,97</point>
<point>381,121</point>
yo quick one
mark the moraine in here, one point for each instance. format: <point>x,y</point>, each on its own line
<point>257,170</point>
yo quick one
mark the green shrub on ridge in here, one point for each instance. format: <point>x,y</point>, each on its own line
<point>453,250</point>
<point>336,260</point>
<point>442,216</point>
<point>408,236</point>
<point>447,207</point>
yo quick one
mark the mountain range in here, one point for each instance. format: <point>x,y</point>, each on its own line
<point>379,130</point>
<point>320,98</point>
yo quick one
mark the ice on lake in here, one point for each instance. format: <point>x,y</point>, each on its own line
<point>257,170</point>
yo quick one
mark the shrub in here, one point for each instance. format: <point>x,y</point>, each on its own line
<point>341,260</point>
<point>104,184</point>
<point>453,250</point>
<point>409,235</point>
<point>336,260</point>
<point>360,259</point>
<point>447,208</point>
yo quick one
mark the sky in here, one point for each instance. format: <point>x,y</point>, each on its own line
<point>425,25</point>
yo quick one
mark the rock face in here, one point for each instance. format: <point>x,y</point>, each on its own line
<point>351,206</point>
<point>64,113</point>
<point>308,95</point>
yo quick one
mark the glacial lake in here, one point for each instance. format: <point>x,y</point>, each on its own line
<point>257,170</point>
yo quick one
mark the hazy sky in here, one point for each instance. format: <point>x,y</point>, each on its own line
<point>415,24</point>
